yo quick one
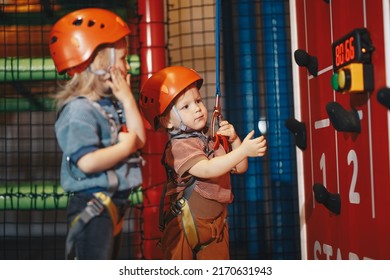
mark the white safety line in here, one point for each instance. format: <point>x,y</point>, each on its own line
<point>386,29</point>
<point>298,116</point>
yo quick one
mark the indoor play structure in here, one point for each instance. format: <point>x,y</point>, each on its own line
<point>310,75</point>
<point>268,68</point>
<point>341,126</point>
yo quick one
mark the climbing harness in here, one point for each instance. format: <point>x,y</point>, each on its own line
<point>180,207</point>
<point>171,175</point>
<point>95,207</point>
<point>101,200</point>
<point>119,111</point>
<point>217,114</point>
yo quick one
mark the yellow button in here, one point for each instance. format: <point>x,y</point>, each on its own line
<point>341,79</point>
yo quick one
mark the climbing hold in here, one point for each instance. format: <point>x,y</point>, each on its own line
<point>262,125</point>
<point>341,119</point>
<point>383,97</point>
<point>302,58</point>
<point>299,131</point>
<point>331,201</point>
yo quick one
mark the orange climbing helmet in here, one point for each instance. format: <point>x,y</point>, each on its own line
<point>161,88</point>
<point>75,37</point>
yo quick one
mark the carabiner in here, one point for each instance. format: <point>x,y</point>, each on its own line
<point>220,139</point>
<point>215,120</point>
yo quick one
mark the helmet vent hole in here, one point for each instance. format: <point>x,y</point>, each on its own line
<point>102,26</point>
<point>53,39</point>
<point>91,23</point>
<point>78,22</point>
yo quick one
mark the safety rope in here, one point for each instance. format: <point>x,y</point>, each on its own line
<point>217,51</point>
<point>217,114</point>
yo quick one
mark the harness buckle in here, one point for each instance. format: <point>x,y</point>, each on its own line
<point>180,203</point>
<point>94,207</point>
<point>177,206</point>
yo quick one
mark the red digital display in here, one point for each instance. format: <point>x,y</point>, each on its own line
<point>344,52</point>
<point>353,47</point>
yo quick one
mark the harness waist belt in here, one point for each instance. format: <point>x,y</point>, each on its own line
<point>95,207</point>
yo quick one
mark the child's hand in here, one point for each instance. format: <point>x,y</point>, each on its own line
<point>119,85</point>
<point>255,147</point>
<point>227,129</point>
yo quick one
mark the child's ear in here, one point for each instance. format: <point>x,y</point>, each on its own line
<point>165,122</point>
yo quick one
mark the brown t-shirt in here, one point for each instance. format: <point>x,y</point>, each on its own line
<point>182,154</point>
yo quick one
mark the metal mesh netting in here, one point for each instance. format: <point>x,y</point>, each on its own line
<point>256,89</point>
<point>32,203</point>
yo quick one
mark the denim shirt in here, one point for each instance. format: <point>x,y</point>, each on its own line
<point>82,128</point>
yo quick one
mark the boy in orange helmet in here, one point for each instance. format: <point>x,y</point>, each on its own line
<point>198,171</point>
<point>100,164</point>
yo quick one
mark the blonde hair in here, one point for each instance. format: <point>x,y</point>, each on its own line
<point>86,83</point>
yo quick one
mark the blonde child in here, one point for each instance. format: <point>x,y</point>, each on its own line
<point>198,172</point>
<point>99,129</point>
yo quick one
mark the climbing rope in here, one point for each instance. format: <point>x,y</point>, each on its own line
<point>217,114</point>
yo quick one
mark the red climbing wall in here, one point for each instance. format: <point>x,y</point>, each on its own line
<point>351,165</point>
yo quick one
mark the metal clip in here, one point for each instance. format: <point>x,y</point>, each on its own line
<point>94,207</point>
<point>180,203</point>
<point>176,207</point>
<point>175,210</point>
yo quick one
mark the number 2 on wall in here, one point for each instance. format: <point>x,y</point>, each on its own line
<point>354,197</point>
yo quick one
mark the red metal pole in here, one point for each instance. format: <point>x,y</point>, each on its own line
<point>152,37</point>
<point>152,55</point>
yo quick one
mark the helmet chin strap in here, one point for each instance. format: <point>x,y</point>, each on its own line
<point>182,126</point>
<point>102,72</point>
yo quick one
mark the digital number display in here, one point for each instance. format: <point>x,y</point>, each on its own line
<point>344,52</point>
<point>353,47</point>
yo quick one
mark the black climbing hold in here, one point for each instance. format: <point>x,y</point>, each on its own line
<point>383,96</point>
<point>299,131</point>
<point>331,201</point>
<point>341,119</point>
<point>302,58</point>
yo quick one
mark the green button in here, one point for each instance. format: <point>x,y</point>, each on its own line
<point>335,81</point>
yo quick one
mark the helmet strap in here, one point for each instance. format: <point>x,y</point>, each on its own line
<point>182,126</point>
<point>102,72</point>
